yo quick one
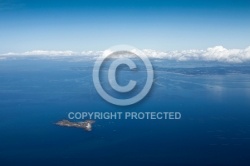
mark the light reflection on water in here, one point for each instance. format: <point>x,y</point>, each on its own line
<point>35,94</point>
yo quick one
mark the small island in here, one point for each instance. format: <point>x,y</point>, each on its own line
<point>86,125</point>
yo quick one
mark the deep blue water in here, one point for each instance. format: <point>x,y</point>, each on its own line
<point>213,99</point>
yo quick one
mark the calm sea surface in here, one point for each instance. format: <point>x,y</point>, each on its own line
<point>214,100</point>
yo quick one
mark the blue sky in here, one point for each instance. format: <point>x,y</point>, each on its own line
<point>98,24</point>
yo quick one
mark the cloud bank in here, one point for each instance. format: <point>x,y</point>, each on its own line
<point>42,53</point>
<point>217,53</point>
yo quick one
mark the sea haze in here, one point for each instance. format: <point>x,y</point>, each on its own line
<point>212,97</point>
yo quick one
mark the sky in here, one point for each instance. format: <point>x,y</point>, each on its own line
<point>76,25</point>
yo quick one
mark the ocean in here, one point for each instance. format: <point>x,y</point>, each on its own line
<point>212,97</point>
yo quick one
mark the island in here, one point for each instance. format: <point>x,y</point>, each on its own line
<point>86,125</point>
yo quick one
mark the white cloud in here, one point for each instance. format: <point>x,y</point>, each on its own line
<point>217,53</point>
<point>92,53</point>
<point>41,53</point>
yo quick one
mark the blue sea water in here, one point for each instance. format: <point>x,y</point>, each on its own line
<point>213,99</point>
